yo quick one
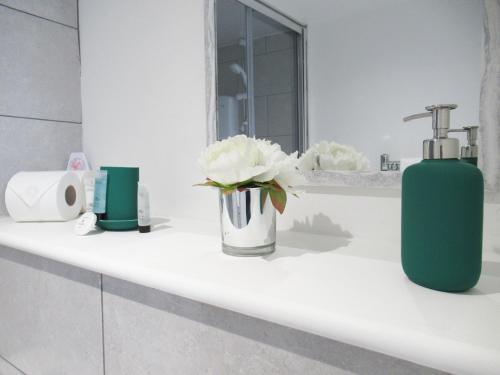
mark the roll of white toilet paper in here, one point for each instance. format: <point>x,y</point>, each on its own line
<point>44,196</point>
<point>82,175</point>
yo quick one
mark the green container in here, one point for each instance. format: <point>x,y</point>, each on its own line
<point>472,161</point>
<point>442,224</point>
<point>121,193</point>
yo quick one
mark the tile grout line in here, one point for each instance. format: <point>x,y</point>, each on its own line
<point>78,31</point>
<point>102,328</point>
<point>40,119</point>
<point>275,94</point>
<point>79,55</point>
<point>37,16</point>
<point>13,365</point>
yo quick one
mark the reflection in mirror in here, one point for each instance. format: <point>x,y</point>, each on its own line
<point>369,64</point>
<point>259,76</point>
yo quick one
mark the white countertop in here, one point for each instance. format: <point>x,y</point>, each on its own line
<point>350,290</point>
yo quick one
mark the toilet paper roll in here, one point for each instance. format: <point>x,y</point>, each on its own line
<point>44,196</point>
<point>82,175</point>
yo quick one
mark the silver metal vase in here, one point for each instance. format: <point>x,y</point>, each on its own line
<point>248,223</point>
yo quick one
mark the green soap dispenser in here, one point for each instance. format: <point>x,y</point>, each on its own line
<point>442,212</point>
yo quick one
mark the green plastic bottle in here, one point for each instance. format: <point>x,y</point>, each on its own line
<point>472,161</point>
<point>442,213</point>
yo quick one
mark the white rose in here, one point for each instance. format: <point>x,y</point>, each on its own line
<point>283,167</point>
<point>233,160</point>
<point>288,176</point>
<point>271,155</point>
<point>238,159</point>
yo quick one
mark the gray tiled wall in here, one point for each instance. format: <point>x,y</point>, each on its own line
<point>275,94</point>
<point>62,11</point>
<point>275,72</point>
<point>31,145</point>
<point>7,368</point>
<point>40,105</point>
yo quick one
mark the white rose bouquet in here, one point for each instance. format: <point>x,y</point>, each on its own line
<point>240,163</point>
<point>333,156</point>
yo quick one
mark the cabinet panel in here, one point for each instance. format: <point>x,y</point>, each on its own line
<point>50,316</point>
<point>150,332</point>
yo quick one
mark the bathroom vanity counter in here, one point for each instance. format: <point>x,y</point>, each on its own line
<point>349,290</point>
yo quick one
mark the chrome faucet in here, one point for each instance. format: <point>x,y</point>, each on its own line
<point>388,165</point>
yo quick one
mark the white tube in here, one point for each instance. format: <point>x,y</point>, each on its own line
<point>143,215</point>
<point>88,186</point>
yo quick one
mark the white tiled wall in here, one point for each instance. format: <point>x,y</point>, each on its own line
<point>40,105</point>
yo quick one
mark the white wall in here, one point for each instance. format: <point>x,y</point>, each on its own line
<point>143,96</point>
<point>373,62</point>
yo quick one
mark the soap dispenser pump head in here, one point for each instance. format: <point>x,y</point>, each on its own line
<point>440,146</point>
<point>472,149</point>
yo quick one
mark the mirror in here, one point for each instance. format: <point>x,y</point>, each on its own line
<point>367,65</point>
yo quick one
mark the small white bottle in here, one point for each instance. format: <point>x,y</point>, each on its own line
<point>143,215</point>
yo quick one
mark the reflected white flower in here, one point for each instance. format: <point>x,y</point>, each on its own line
<point>333,156</point>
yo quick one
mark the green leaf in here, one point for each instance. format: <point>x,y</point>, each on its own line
<point>278,198</point>
<point>210,182</point>
<point>222,186</point>
<point>262,185</point>
<point>275,186</point>
<point>207,183</point>
<point>244,184</point>
<point>269,188</point>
